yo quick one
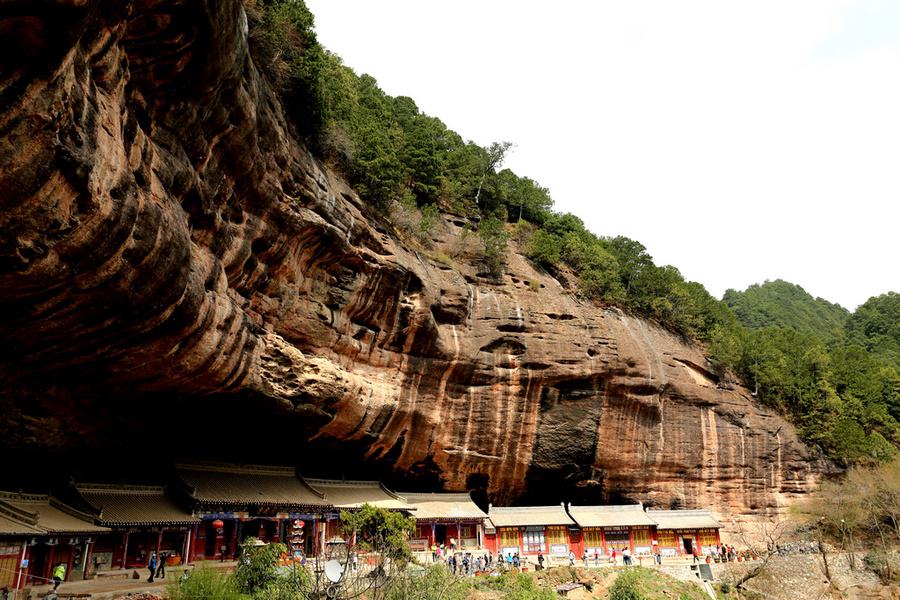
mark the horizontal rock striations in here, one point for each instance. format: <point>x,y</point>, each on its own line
<point>167,244</point>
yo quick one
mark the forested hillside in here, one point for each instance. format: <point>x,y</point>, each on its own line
<point>840,384</point>
<point>782,304</point>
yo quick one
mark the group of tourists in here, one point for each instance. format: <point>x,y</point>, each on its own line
<point>464,563</point>
<point>722,552</point>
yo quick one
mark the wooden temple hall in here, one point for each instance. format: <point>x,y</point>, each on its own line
<point>598,530</point>
<point>208,509</point>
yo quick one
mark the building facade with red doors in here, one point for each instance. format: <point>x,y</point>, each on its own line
<point>529,530</point>
<point>604,528</point>
<point>144,520</point>
<point>38,532</point>
<point>679,532</point>
<point>234,502</point>
<point>449,520</point>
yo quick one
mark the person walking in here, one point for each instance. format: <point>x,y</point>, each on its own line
<point>612,556</point>
<point>571,558</point>
<point>584,558</point>
<point>626,557</point>
<point>161,567</point>
<point>59,575</point>
<point>152,566</point>
<point>596,558</point>
<point>540,560</point>
<point>696,554</point>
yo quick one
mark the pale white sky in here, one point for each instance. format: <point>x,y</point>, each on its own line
<point>738,141</point>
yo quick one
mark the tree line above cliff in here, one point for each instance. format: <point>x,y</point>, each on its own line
<point>835,375</point>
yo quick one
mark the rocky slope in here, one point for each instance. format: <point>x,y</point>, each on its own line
<point>168,245</point>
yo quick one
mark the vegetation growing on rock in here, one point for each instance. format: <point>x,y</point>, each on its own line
<point>835,377</point>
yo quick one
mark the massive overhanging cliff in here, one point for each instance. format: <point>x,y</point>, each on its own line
<point>169,250</point>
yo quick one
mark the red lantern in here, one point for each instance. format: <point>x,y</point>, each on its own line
<point>301,524</point>
<point>218,524</point>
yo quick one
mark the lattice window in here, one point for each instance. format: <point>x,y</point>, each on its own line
<point>666,538</point>
<point>534,540</point>
<point>641,536</point>
<point>556,535</point>
<point>509,537</point>
<point>708,537</point>
<point>9,563</point>
<point>618,539</point>
<point>593,538</point>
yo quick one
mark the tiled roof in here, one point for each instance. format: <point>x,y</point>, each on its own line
<point>15,527</point>
<point>443,506</point>
<point>134,505</point>
<point>212,484</point>
<point>610,516</point>
<point>683,519</point>
<point>353,494</point>
<point>42,514</point>
<point>518,516</point>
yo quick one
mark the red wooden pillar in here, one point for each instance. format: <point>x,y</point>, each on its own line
<point>69,560</point>
<point>631,540</point>
<point>49,566</point>
<point>88,559</point>
<point>125,551</point>
<point>159,542</point>
<point>603,541</point>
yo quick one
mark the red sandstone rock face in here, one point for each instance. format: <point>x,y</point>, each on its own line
<point>164,235</point>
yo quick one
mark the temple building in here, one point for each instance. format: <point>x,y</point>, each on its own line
<point>604,528</point>
<point>37,532</point>
<point>234,502</point>
<point>451,519</point>
<point>532,529</point>
<point>678,532</point>
<point>344,494</point>
<point>144,521</point>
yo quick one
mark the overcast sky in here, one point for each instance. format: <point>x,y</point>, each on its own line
<point>738,141</point>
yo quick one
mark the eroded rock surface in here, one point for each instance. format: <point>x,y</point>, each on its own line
<point>165,237</point>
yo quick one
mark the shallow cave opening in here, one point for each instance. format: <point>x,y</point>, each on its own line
<point>128,438</point>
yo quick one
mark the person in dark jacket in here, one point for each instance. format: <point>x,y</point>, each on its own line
<point>152,567</point>
<point>161,567</point>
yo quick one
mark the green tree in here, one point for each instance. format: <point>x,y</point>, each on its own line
<point>494,240</point>
<point>284,44</point>
<point>545,249</point>
<point>380,530</point>
<point>493,158</point>
<point>257,571</point>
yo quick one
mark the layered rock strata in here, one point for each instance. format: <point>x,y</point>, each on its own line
<point>165,237</point>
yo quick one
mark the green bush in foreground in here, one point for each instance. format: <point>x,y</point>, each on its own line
<point>626,587</point>
<point>204,583</point>
<point>516,586</point>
